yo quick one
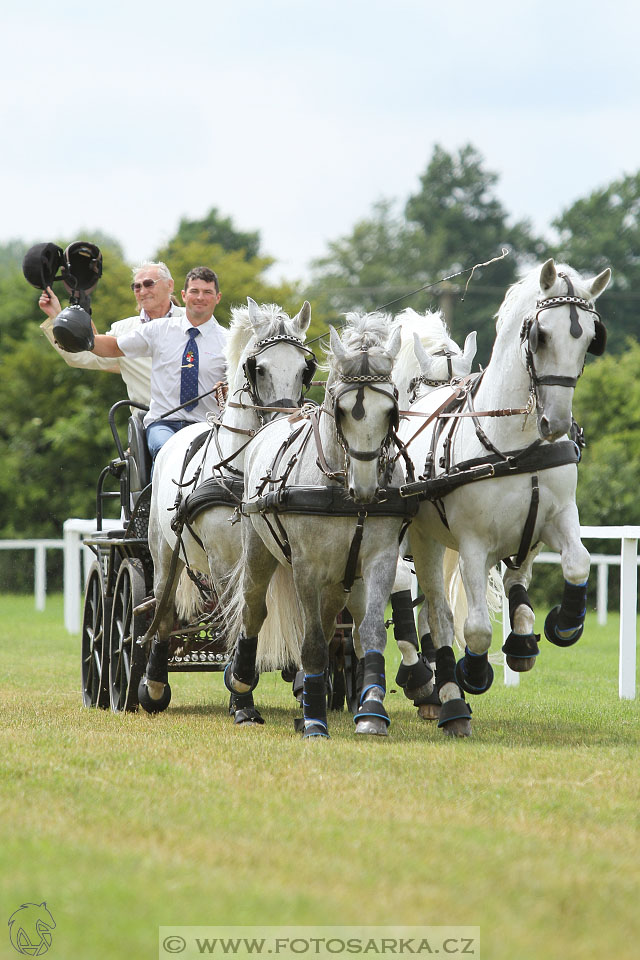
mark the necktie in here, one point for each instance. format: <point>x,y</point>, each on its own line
<point>189,371</point>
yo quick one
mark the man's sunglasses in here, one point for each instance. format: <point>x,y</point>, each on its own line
<point>147,284</point>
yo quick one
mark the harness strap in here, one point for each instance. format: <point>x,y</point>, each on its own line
<point>354,553</point>
<point>535,457</point>
<point>338,475</point>
<point>514,563</point>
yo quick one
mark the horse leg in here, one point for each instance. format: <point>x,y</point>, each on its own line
<point>372,718</point>
<point>429,708</point>
<point>565,623</point>
<point>240,677</point>
<point>319,611</point>
<point>521,646</point>
<point>414,676</point>
<point>454,719</point>
<point>154,690</point>
<point>473,671</point>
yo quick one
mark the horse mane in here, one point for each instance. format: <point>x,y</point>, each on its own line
<point>241,332</point>
<point>521,296</point>
<point>363,331</point>
<point>434,335</point>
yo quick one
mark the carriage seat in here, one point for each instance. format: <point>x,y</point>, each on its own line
<point>139,456</point>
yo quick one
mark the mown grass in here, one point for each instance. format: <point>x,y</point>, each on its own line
<point>123,823</point>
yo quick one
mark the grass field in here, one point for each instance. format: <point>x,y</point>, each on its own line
<point>123,823</point>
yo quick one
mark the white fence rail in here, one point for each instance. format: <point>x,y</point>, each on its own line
<point>75,552</point>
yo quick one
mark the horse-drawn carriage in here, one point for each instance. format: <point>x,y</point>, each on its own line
<point>348,454</point>
<point>119,591</point>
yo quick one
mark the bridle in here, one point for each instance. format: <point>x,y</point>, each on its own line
<point>415,382</point>
<point>529,336</point>
<point>359,383</point>
<point>249,367</point>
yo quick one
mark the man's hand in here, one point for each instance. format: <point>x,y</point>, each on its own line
<point>49,303</point>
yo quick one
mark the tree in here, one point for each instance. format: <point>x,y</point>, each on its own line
<point>453,222</point>
<point>462,223</point>
<point>216,229</point>
<point>376,263</point>
<point>603,230</point>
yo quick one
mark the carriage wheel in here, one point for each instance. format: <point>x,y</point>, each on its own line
<point>96,620</point>
<point>127,660</point>
<point>352,677</point>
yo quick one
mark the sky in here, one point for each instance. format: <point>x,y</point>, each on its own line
<point>294,117</point>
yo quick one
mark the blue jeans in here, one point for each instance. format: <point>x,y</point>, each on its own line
<point>159,432</point>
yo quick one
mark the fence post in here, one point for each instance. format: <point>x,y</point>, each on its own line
<point>72,579</point>
<point>628,614</point>
<point>40,576</point>
<point>602,593</point>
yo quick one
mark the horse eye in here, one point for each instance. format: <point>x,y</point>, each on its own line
<point>542,338</point>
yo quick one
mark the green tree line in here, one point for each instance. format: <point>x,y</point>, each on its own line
<point>54,436</point>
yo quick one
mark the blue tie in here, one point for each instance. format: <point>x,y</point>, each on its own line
<point>189,371</point>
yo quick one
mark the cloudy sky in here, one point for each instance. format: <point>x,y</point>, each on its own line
<point>295,116</point>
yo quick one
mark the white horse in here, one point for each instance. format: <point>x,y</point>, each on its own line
<point>268,366</point>
<point>525,474</point>
<point>336,462</point>
<point>428,359</point>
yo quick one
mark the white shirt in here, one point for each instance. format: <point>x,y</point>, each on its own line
<point>164,341</point>
<point>136,373</point>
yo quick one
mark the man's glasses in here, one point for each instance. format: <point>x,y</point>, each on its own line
<point>147,284</point>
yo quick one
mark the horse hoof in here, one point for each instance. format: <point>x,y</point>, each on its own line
<point>372,718</point>
<point>483,678</point>
<point>429,711</point>
<point>521,664</point>
<point>315,731</point>
<point>248,717</point>
<point>561,638</point>
<point>457,728</point>
<point>153,696</point>
<point>234,685</point>
<point>373,727</point>
<point>421,694</point>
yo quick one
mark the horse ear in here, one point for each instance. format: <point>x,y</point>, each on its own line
<point>303,318</point>
<point>394,342</point>
<point>470,347</point>
<point>255,316</point>
<point>421,354</point>
<point>548,275</point>
<point>336,344</point>
<point>600,283</point>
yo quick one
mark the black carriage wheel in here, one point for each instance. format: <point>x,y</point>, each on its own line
<point>96,620</point>
<point>352,682</point>
<point>127,660</point>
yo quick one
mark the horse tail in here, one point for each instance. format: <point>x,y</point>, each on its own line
<point>189,600</point>
<point>455,593</point>
<point>280,637</point>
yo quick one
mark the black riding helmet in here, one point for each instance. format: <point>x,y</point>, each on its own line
<point>72,329</point>
<point>82,267</point>
<point>41,263</point>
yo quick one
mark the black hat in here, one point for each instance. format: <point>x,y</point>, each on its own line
<point>72,329</point>
<point>41,263</point>
<point>82,266</point>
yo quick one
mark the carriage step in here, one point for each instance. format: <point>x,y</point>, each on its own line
<point>147,604</point>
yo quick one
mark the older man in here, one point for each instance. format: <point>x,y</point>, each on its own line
<point>187,358</point>
<point>152,287</point>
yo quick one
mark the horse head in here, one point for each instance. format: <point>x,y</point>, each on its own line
<point>274,367</point>
<point>365,403</point>
<point>556,336</point>
<point>440,368</point>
